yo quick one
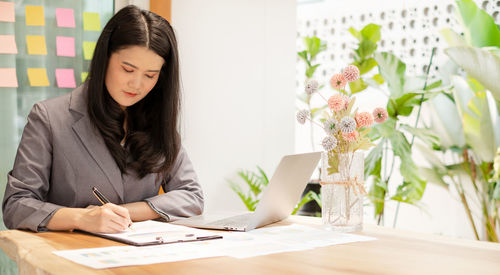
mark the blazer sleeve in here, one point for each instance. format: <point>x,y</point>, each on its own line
<point>183,195</point>
<point>24,205</point>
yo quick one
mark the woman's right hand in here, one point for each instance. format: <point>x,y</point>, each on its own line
<point>109,218</point>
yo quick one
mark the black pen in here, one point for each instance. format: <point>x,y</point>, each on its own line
<point>102,198</point>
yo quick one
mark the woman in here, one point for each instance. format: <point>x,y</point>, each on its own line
<point>117,132</point>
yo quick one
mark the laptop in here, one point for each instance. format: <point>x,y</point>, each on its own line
<point>277,202</point>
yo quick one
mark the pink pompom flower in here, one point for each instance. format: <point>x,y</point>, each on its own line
<point>350,137</point>
<point>380,115</point>
<point>338,81</point>
<point>336,102</point>
<point>364,119</point>
<point>351,73</point>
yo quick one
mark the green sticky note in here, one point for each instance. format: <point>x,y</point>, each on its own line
<point>34,16</point>
<point>91,21</point>
<point>84,76</point>
<point>36,44</point>
<point>38,77</point>
<point>88,49</point>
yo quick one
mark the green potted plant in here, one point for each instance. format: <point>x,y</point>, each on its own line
<point>467,121</point>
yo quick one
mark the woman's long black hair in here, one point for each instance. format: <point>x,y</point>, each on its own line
<point>152,137</point>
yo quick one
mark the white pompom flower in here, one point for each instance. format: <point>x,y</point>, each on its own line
<point>329,143</point>
<point>311,86</point>
<point>330,126</point>
<point>347,125</point>
<point>302,116</point>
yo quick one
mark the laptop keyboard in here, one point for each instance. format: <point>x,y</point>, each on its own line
<point>234,221</point>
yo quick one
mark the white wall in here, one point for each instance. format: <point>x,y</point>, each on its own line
<point>143,4</point>
<point>238,72</point>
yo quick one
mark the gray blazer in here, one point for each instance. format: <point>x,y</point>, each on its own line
<point>62,155</point>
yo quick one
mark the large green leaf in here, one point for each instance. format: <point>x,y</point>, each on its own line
<point>357,86</point>
<point>393,71</point>
<point>377,195</point>
<point>410,192</point>
<point>373,162</point>
<point>476,119</point>
<point>423,134</point>
<point>496,165</point>
<point>314,46</point>
<point>366,65</point>
<point>479,27</point>
<point>432,175</point>
<point>355,33</point>
<point>413,187</point>
<point>496,191</point>
<point>480,64</point>
<point>400,145</point>
<point>385,129</point>
<point>310,70</point>
<point>431,157</point>
<point>405,103</point>
<point>371,32</point>
<point>445,122</point>
<point>304,56</point>
<point>365,48</point>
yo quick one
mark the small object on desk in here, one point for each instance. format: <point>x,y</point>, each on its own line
<point>99,196</point>
<point>154,232</point>
<point>103,199</point>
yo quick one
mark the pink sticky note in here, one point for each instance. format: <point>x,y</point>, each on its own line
<point>65,46</point>
<point>8,77</point>
<point>65,18</point>
<point>65,78</point>
<point>8,44</point>
<point>7,12</point>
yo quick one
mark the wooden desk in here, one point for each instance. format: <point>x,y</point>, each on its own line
<point>395,252</point>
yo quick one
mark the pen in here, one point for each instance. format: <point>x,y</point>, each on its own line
<point>99,196</point>
<point>102,198</point>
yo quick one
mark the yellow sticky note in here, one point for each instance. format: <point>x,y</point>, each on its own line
<point>88,49</point>
<point>38,77</point>
<point>84,76</point>
<point>36,44</point>
<point>34,16</point>
<point>91,21</point>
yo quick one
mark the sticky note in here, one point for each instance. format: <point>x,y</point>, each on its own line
<point>65,18</point>
<point>34,16</point>
<point>8,77</point>
<point>8,44</point>
<point>84,76</point>
<point>65,46</point>
<point>65,78</point>
<point>7,12</point>
<point>88,49</point>
<point>91,21</point>
<point>36,44</point>
<point>38,77</point>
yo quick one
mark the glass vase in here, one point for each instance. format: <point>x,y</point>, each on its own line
<point>342,192</point>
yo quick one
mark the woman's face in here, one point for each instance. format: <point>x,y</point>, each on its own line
<point>132,73</point>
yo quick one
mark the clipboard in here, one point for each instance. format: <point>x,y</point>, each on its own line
<point>156,233</point>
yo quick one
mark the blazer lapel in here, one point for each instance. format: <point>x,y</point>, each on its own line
<point>93,141</point>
